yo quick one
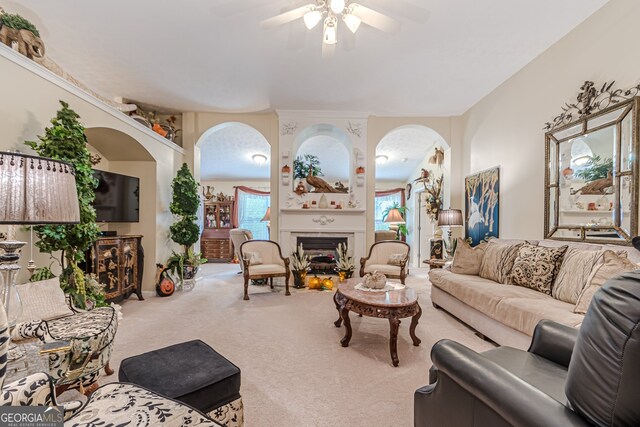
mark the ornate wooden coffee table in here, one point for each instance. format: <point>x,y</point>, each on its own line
<point>392,305</point>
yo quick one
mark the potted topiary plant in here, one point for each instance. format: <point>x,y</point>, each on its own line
<point>302,164</point>
<point>185,231</point>
<point>299,266</point>
<point>345,264</point>
<point>65,140</point>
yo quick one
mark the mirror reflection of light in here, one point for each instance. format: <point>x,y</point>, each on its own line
<point>580,152</point>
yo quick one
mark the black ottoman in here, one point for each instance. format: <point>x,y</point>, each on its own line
<point>191,372</point>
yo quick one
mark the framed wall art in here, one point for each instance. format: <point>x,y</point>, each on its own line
<point>482,205</point>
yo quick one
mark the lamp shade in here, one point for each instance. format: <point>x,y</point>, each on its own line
<point>267,215</point>
<point>394,216</point>
<point>37,190</point>
<point>450,217</point>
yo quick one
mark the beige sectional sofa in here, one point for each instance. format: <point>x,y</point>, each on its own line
<point>505,313</point>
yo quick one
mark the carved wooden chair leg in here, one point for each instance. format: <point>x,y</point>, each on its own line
<point>246,288</point>
<point>286,285</point>
<point>271,282</point>
<point>108,369</point>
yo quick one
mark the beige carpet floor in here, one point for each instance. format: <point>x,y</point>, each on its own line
<point>294,371</point>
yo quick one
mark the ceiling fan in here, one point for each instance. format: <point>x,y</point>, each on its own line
<point>330,12</point>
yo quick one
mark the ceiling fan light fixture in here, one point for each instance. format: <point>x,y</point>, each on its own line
<point>381,159</point>
<point>329,36</point>
<point>337,6</point>
<point>260,159</point>
<point>352,22</point>
<point>312,18</point>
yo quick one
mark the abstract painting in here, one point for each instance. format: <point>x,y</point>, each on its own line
<point>481,205</point>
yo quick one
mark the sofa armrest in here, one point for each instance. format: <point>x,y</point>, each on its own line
<point>513,399</point>
<point>33,390</point>
<point>554,341</point>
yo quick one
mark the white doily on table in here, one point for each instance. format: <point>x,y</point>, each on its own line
<point>387,287</point>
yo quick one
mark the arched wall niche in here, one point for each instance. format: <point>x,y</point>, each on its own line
<point>123,154</point>
<point>331,145</point>
<point>409,149</point>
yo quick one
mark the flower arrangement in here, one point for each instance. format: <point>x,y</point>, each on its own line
<point>299,259</point>
<point>345,261</point>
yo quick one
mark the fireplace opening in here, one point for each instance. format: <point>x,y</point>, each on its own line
<point>322,252</point>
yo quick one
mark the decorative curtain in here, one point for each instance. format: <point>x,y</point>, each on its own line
<point>384,200</point>
<point>249,209</point>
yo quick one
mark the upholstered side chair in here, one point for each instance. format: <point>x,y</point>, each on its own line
<point>238,237</point>
<point>568,377</point>
<point>389,257</point>
<point>50,316</point>
<point>112,404</point>
<point>263,259</point>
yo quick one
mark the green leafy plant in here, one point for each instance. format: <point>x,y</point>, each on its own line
<point>65,140</point>
<point>94,294</point>
<point>17,22</point>
<point>178,261</point>
<point>302,164</point>
<point>402,228</point>
<point>185,231</point>
<point>595,168</point>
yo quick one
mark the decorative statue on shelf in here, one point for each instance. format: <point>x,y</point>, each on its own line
<point>208,195</point>
<point>437,158</point>
<point>319,185</point>
<point>300,188</point>
<point>221,197</point>
<point>340,188</point>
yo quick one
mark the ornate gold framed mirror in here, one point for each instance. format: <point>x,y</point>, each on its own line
<point>591,167</point>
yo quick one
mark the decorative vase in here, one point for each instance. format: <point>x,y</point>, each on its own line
<point>299,278</point>
<point>189,272</point>
<point>342,275</point>
<point>323,202</point>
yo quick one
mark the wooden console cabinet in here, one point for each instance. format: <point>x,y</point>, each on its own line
<point>215,243</point>
<point>118,262</point>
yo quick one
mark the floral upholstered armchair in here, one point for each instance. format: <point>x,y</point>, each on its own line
<point>49,316</point>
<point>112,404</point>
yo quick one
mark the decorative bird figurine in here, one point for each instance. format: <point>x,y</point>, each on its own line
<point>319,185</point>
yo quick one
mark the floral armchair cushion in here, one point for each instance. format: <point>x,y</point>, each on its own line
<point>91,335</point>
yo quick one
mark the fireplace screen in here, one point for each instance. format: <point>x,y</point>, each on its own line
<point>322,252</point>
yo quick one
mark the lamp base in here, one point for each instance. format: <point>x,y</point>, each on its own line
<point>10,299</point>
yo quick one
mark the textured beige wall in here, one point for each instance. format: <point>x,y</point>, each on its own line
<point>506,127</point>
<point>30,99</point>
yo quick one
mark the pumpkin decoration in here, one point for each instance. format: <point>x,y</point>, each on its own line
<point>315,283</point>
<point>359,170</point>
<point>286,169</point>
<point>164,285</point>
<point>327,284</point>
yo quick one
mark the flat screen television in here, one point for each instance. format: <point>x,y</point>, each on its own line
<point>117,197</point>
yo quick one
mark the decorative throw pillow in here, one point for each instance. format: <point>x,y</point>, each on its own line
<point>498,261</point>
<point>574,273</point>
<point>467,260</point>
<point>609,265</point>
<point>253,257</point>
<point>396,259</point>
<point>42,300</point>
<point>536,267</point>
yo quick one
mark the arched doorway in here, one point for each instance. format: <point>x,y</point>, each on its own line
<point>404,155</point>
<point>235,175</point>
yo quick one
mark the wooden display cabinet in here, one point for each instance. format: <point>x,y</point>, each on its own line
<point>118,262</point>
<point>215,243</point>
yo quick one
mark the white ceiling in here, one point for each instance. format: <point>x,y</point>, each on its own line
<point>405,148</point>
<point>212,55</point>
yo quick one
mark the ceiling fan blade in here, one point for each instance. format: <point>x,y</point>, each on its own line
<point>375,19</point>
<point>286,17</point>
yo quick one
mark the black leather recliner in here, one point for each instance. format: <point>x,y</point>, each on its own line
<point>568,377</point>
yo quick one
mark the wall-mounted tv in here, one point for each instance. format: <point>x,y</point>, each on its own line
<point>117,197</point>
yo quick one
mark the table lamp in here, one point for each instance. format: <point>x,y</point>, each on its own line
<point>394,217</point>
<point>267,218</point>
<point>450,218</point>
<point>33,190</point>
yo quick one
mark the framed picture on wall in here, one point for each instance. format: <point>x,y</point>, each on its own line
<point>482,205</point>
